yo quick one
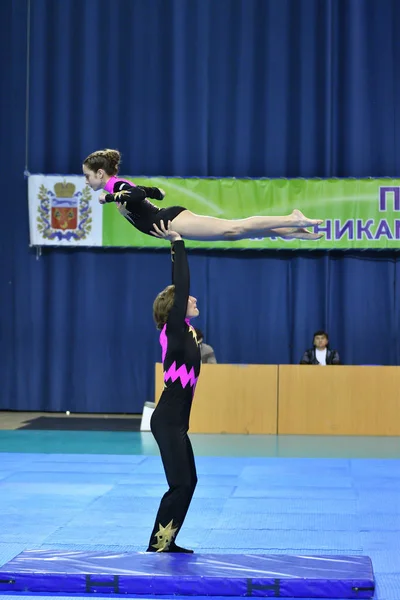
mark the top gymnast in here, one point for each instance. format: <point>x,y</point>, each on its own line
<point>101,172</point>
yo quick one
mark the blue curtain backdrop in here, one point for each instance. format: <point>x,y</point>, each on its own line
<point>244,88</point>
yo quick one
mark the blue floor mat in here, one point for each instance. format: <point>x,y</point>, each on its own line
<point>102,502</point>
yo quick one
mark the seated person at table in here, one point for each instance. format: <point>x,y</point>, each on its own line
<point>206,351</point>
<point>320,353</point>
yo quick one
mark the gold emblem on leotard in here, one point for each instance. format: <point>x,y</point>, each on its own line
<point>121,193</point>
<point>164,536</point>
<point>193,332</point>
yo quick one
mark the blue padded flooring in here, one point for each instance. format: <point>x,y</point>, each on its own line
<point>284,506</point>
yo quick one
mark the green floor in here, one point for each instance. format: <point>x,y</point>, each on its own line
<point>95,442</point>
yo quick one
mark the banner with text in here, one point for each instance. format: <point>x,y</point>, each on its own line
<point>357,213</point>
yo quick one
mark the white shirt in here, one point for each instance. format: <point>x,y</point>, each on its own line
<point>321,356</point>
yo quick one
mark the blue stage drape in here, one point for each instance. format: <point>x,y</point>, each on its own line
<point>243,88</point>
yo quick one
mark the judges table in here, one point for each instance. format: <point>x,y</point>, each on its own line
<point>337,400</point>
<point>295,399</point>
<point>232,399</point>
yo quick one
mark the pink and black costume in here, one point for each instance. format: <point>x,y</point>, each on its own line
<point>134,205</point>
<point>170,420</point>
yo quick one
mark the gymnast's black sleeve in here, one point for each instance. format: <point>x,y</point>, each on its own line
<point>181,281</point>
<point>123,192</point>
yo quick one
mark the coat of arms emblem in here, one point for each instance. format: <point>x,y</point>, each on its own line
<point>64,214</point>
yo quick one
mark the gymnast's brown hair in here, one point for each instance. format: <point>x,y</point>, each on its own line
<point>108,160</point>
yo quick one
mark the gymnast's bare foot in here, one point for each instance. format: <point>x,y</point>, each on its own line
<point>297,219</point>
<point>299,233</point>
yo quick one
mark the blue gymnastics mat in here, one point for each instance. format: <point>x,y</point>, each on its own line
<point>251,575</point>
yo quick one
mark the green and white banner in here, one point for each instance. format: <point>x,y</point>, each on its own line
<point>357,213</point>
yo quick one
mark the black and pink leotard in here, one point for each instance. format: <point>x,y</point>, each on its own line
<point>133,204</point>
<point>170,419</point>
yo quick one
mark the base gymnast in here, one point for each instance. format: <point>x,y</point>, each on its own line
<point>101,172</point>
<point>172,310</point>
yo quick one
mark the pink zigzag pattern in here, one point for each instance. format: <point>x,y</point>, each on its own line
<point>173,374</point>
<point>164,342</point>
